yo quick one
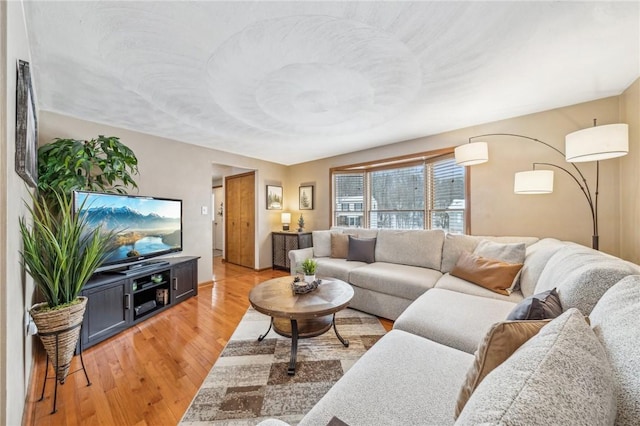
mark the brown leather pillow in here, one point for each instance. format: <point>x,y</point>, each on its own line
<point>339,245</point>
<point>501,341</point>
<point>491,274</point>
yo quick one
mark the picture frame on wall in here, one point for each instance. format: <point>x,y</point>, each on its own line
<point>274,197</point>
<point>26,127</point>
<point>306,197</point>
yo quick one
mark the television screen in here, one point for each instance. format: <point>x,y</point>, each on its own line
<point>145,226</point>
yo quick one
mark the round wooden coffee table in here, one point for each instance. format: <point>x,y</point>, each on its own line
<point>299,316</point>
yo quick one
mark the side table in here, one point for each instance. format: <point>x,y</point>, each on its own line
<point>283,242</point>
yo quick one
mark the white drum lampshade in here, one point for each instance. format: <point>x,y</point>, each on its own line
<point>533,182</point>
<point>472,153</point>
<point>597,143</point>
<point>285,218</point>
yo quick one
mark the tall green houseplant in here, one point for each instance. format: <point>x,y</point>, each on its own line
<point>102,164</point>
<point>59,249</point>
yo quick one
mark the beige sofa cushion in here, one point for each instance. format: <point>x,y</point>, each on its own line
<point>402,380</point>
<point>536,258</point>
<point>582,275</point>
<point>322,243</point>
<point>449,282</point>
<point>561,376</point>
<point>408,282</point>
<point>453,319</point>
<point>616,322</point>
<point>336,268</point>
<point>414,247</point>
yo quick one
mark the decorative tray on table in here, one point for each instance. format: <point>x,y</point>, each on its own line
<point>300,287</point>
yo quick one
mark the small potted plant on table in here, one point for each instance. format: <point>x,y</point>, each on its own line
<point>309,267</point>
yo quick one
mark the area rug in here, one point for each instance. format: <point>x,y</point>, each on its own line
<point>249,381</point>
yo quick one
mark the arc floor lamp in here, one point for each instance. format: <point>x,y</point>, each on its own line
<point>592,144</point>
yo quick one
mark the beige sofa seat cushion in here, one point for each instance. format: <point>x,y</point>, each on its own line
<point>455,244</point>
<point>402,380</point>
<point>414,247</point>
<point>561,376</point>
<point>451,318</point>
<point>616,322</point>
<point>582,275</point>
<point>336,268</point>
<point>449,282</point>
<point>404,281</point>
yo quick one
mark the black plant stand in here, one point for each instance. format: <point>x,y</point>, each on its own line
<point>55,376</point>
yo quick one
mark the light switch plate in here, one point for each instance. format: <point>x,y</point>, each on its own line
<point>204,210</point>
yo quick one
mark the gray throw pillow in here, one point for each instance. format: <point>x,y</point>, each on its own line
<point>545,305</point>
<point>510,253</point>
<point>362,249</point>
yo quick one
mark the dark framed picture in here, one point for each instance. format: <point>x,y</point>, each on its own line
<point>274,197</point>
<point>26,127</point>
<point>306,197</point>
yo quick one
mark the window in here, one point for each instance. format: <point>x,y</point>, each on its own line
<point>424,194</point>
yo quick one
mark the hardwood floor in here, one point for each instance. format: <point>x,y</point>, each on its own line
<point>148,374</point>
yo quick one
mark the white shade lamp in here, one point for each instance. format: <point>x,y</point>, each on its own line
<point>592,144</point>
<point>471,154</point>
<point>597,143</point>
<point>285,218</point>
<point>533,182</point>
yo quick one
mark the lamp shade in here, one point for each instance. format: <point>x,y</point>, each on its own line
<point>471,153</point>
<point>285,218</point>
<point>597,143</point>
<point>533,182</point>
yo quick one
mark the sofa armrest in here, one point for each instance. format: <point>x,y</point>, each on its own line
<point>296,257</point>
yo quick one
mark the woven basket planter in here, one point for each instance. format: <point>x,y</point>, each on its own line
<point>61,322</point>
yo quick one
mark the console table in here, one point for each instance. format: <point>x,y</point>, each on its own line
<point>118,301</point>
<point>283,242</point>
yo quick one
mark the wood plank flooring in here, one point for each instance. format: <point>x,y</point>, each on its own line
<point>149,374</point>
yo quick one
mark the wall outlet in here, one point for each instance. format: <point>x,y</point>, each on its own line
<point>204,210</point>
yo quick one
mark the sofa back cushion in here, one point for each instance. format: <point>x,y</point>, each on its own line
<point>616,321</point>
<point>536,258</point>
<point>455,244</point>
<point>414,247</point>
<point>582,275</point>
<point>322,243</point>
<point>559,376</point>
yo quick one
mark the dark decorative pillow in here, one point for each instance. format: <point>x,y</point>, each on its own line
<point>362,249</point>
<point>545,305</point>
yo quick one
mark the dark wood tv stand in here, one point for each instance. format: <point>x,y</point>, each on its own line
<point>118,301</point>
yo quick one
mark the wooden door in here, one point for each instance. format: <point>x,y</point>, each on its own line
<point>240,219</point>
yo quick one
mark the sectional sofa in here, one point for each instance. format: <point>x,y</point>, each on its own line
<point>567,373</point>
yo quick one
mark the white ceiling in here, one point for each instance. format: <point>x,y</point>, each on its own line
<point>297,81</point>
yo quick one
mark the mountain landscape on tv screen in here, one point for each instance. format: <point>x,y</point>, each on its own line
<point>138,234</point>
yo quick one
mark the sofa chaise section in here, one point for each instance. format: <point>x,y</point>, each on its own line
<point>403,380</point>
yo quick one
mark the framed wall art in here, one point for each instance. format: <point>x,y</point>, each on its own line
<point>306,197</point>
<point>274,197</point>
<point>26,127</point>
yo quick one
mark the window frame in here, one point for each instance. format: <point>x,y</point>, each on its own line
<point>396,163</point>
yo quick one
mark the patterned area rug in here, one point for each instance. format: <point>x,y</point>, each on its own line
<point>249,382</point>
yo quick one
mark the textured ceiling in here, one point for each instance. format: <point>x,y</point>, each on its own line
<point>296,81</point>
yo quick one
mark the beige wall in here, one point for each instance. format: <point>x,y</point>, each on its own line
<point>630,176</point>
<point>16,290</point>
<point>495,209</point>
<point>172,169</point>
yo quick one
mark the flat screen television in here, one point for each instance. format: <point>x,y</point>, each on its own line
<point>145,226</point>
